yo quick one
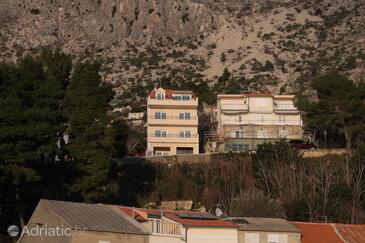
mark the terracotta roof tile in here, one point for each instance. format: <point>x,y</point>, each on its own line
<point>351,233</point>
<point>318,233</point>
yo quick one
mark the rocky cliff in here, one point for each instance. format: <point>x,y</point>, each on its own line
<point>279,44</point>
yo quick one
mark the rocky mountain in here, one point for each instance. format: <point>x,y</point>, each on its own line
<point>275,44</point>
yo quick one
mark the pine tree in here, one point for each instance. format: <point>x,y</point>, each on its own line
<point>31,122</point>
<point>91,133</point>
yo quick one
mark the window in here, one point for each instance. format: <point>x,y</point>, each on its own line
<point>160,133</point>
<point>179,97</point>
<point>185,134</point>
<point>160,96</point>
<point>261,134</point>
<point>239,119</point>
<point>252,238</point>
<point>160,115</point>
<point>240,147</point>
<point>184,116</point>
<point>239,134</point>
<point>284,134</point>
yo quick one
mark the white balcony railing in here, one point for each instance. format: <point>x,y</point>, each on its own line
<point>170,229</point>
<point>234,107</point>
<point>263,122</point>
<point>275,135</point>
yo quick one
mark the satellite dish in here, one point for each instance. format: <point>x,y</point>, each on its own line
<point>218,212</point>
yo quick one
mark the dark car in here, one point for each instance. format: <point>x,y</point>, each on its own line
<point>300,144</point>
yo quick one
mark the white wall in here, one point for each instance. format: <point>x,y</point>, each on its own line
<point>212,235</point>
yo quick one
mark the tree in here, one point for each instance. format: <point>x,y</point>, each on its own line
<point>91,133</point>
<point>340,105</point>
<point>31,124</point>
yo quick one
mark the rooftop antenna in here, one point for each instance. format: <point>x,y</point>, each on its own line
<point>218,211</point>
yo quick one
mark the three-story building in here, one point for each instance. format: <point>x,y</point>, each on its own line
<point>247,120</point>
<point>172,122</point>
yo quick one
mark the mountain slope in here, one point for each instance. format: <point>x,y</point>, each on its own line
<point>279,45</point>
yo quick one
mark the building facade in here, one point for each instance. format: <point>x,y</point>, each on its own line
<point>172,122</point>
<point>184,226</point>
<point>247,120</point>
<point>69,222</point>
<point>266,230</point>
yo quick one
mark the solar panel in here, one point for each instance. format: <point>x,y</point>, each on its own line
<point>183,215</point>
<point>195,215</point>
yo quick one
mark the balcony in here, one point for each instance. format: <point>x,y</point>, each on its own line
<point>234,108</point>
<point>285,108</point>
<point>263,135</point>
<point>171,102</point>
<point>173,121</point>
<point>164,229</point>
<point>264,122</point>
<point>173,138</point>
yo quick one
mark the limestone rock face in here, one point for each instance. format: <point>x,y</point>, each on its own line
<point>279,44</point>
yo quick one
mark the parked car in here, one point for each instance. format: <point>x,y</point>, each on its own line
<point>300,144</point>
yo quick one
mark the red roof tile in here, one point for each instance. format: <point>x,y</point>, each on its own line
<point>199,222</point>
<point>318,233</point>
<point>141,216</point>
<point>351,233</point>
<point>152,94</point>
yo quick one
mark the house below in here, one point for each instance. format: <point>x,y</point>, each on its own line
<point>248,120</point>
<point>266,230</point>
<point>69,222</point>
<point>331,233</point>
<point>184,226</point>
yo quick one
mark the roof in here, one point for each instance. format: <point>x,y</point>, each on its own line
<point>170,92</point>
<point>351,233</point>
<point>284,97</point>
<point>231,96</point>
<point>141,215</point>
<point>258,95</point>
<point>318,232</point>
<point>265,224</point>
<point>94,217</point>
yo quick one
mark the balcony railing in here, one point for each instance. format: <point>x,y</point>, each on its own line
<point>171,102</point>
<point>170,229</point>
<point>234,107</point>
<point>263,122</point>
<point>285,107</point>
<point>266,135</point>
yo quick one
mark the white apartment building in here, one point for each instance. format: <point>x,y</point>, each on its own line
<point>172,122</point>
<point>247,120</point>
